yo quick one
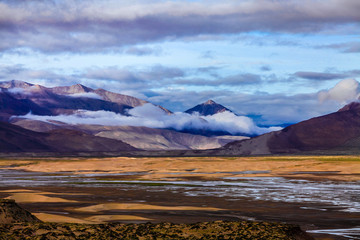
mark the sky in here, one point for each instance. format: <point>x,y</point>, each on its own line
<point>279,61</point>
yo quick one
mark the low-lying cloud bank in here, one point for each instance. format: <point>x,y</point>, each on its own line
<point>151,116</point>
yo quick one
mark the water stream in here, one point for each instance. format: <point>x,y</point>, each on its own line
<point>335,195</point>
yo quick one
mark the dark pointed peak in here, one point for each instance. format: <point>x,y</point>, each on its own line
<point>209,102</point>
<point>208,108</point>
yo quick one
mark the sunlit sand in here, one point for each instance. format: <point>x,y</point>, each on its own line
<point>46,217</point>
<point>107,218</point>
<point>137,206</point>
<point>36,197</point>
<point>206,167</point>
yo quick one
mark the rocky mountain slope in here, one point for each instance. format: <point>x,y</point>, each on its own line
<point>333,131</point>
<point>20,98</point>
<point>208,108</point>
<point>138,137</point>
<point>202,230</point>
<point>17,139</point>
<point>10,212</point>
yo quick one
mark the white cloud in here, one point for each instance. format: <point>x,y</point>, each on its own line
<point>18,91</point>
<point>151,116</point>
<point>343,92</point>
<point>86,95</point>
<point>235,124</point>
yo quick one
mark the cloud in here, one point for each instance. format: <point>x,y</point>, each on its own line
<point>232,80</point>
<point>320,75</point>
<point>18,91</point>
<point>94,26</point>
<point>130,78</point>
<point>85,95</point>
<point>43,77</point>
<point>348,47</point>
<point>151,116</point>
<point>157,72</point>
<point>143,51</point>
<point>208,54</point>
<point>265,68</point>
<point>343,92</point>
<point>267,109</point>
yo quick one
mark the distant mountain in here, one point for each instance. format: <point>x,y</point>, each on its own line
<point>9,106</point>
<point>335,131</point>
<point>138,137</point>
<point>81,90</point>
<point>208,108</point>
<point>21,97</point>
<point>18,98</point>
<point>17,139</point>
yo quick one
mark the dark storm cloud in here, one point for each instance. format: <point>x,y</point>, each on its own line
<point>96,26</point>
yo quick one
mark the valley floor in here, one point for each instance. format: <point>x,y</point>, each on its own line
<point>319,193</point>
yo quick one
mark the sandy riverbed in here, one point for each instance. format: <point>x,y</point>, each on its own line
<point>344,168</point>
<point>188,190</point>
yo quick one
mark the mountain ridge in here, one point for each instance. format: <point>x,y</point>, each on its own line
<point>17,139</point>
<point>325,132</point>
<point>63,99</point>
<point>207,108</point>
<point>139,137</point>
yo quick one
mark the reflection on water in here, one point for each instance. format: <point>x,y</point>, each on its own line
<point>345,196</point>
<point>352,233</point>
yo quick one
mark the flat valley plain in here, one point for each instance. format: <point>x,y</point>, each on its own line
<point>319,193</point>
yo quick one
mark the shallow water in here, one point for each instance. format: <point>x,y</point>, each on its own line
<point>351,233</point>
<point>317,195</point>
<point>344,196</point>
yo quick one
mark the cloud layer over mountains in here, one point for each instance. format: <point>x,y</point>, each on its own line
<point>74,26</point>
<point>276,60</point>
<point>151,116</point>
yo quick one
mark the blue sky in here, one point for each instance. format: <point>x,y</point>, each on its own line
<point>283,60</point>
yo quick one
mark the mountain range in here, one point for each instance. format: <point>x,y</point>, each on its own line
<point>17,139</point>
<point>18,99</point>
<point>338,132</point>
